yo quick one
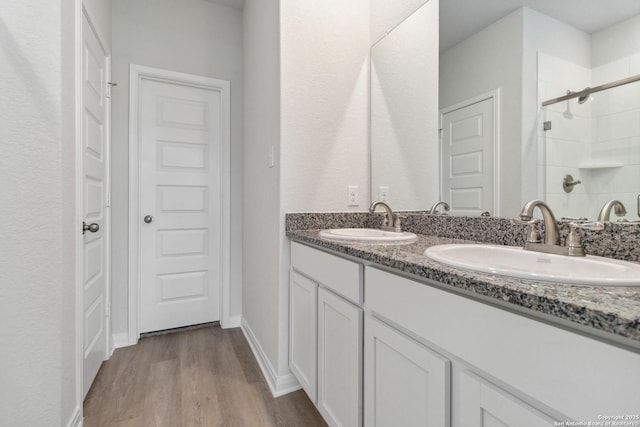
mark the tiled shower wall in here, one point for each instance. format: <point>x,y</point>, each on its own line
<point>597,142</point>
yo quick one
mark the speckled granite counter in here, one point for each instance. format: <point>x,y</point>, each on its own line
<point>607,313</point>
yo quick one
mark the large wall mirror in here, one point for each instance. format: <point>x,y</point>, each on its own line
<point>495,63</point>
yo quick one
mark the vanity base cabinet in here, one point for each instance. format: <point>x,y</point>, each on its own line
<point>405,383</point>
<point>551,371</point>
<point>303,302</point>
<point>339,360</point>
<point>325,332</point>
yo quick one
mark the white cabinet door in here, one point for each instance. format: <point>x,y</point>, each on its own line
<point>302,331</point>
<point>484,405</point>
<point>339,360</point>
<point>405,383</point>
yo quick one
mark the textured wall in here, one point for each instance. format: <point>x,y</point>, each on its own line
<point>325,104</point>
<point>37,290</point>
<point>261,185</point>
<point>189,36</point>
<point>387,14</point>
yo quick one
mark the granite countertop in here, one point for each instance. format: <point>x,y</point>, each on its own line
<point>608,313</point>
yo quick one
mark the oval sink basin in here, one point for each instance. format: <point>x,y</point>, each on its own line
<point>367,235</point>
<point>516,262</point>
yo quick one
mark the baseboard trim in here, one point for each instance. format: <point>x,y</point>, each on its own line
<point>120,340</point>
<point>76,418</point>
<point>231,322</point>
<point>278,384</point>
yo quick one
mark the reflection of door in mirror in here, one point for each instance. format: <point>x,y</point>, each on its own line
<point>467,153</point>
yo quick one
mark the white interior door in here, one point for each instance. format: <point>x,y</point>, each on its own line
<point>468,158</point>
<point>180,136</point>
<point>95,188</point>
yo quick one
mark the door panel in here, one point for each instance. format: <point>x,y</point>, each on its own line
<point>467,158</point>
<point>94,142</point>
<point>303,297</point>
<point>339,360</point>
<point>406,383</point>
<point>484,405</point>
<point>180,188</point>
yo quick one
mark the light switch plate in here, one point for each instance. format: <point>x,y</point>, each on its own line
<point>383,193</point>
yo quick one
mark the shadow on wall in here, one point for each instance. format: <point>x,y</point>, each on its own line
<point>24,75</point>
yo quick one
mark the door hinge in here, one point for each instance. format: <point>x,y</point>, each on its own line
<point>110,85</point>
<point>107,199</point>
<point>107,310</point>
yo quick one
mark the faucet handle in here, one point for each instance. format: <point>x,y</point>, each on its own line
<point>398,224</point>
<point>533,236</point>
<point>594,225</point>
<point>574,243</point>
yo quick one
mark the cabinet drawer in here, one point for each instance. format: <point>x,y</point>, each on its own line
<point>340,275</point>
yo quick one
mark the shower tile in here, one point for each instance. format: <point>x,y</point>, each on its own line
<point>614,151</point>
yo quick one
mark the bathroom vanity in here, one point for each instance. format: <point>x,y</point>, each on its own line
<point>382,335</point>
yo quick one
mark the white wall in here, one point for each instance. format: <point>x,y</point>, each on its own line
<point>37,214</point>
<point>325,104</point>
<point>306,95</point>
<point>262,303</point>
<point>387,14</point>
<point>616,42</point>
<point>489,60</point>
<point>189,36</point>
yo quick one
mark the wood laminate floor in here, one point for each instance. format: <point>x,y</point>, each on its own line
<point>201,377</point>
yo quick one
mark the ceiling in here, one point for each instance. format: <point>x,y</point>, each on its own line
<point>460,19</point>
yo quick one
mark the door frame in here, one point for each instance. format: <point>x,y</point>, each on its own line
<point>138,73</point>
<point>495,96</point>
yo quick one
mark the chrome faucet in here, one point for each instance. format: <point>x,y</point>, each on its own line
<point>616,205</point>
<point>434,208</point>
<point>551,244</point>
<point>391,223</point>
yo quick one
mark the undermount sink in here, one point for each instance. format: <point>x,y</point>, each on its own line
<point>367,235</point>
<point>516,262</point>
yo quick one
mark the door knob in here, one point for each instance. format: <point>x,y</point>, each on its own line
<point>148,219</point>
<point>93,227</point>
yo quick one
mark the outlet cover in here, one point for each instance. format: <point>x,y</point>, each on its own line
<point>353,196</point>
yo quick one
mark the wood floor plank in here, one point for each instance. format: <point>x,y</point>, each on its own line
<point>200,377</point>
